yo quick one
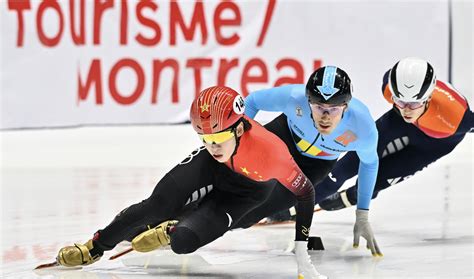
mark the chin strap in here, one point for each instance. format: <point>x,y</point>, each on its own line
<point>237,142</point>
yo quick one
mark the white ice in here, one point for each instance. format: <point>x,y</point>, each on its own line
<point>59,186</point>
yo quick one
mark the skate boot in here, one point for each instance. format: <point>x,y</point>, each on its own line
<point>336,201</point>
<point>79,254</point>
<point>154,238</point>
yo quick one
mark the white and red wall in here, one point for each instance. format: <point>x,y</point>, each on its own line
<point>79,62</point>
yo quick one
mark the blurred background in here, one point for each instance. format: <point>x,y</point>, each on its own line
<point>95,95</point>
<point>69,63</point>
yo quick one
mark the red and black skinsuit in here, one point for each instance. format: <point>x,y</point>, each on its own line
<point>262,178</point>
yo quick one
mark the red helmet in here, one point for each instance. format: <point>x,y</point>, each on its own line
<point>216,109</point>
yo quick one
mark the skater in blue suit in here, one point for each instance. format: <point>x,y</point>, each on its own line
<point>428,119</point>
<point>319,121</point>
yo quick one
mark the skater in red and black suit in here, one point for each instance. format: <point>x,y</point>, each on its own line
<point>245,166</point>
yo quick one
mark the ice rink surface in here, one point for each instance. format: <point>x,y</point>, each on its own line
<point>59,186</point>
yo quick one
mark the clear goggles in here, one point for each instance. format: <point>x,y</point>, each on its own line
<point>410,105</point>
<point>332,110</point>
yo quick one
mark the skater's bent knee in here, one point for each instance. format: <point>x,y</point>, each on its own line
<point>184,240</point>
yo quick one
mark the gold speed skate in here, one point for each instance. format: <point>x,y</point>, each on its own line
<point>77,255</point>
<point>154,238</point>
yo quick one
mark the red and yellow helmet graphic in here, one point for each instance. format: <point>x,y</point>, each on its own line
<point>216,109</point>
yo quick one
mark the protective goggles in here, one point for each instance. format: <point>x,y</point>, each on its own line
<point>410,105</point>
<point>217,138</point>
<point>332,111</point>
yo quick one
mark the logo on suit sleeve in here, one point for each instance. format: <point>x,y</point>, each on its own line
<point>346,138</point>
<point>192,155</point>
<point>299,111</point>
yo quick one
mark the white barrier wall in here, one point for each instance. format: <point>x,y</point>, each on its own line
<point>463,28</point>
<point>128,62</point>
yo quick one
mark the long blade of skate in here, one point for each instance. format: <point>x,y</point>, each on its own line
<point>121,254</point>
<point>41,266</point>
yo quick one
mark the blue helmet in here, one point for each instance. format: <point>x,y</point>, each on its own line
<point>329,85</point>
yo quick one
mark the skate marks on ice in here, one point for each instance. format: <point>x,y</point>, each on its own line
<point>166,264</point>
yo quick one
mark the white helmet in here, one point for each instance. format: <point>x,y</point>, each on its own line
<point>412,80</point>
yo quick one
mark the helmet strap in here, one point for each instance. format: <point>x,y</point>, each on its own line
<point>237,143</point>
<point>425,109</point>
